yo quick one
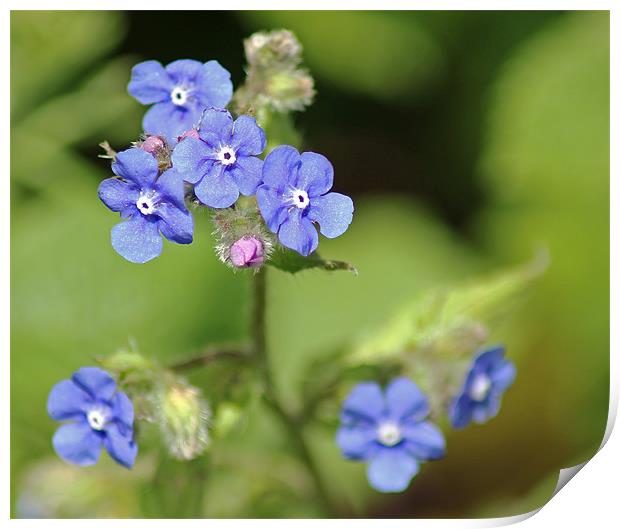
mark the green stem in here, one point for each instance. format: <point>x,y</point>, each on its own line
<point>293,427</point>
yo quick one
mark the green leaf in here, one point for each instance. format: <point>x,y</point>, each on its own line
<point>290,261</point>
<point>453,322</point>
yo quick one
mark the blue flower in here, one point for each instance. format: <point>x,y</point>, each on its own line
<point>480,398</point>
<point>223,162</point>
<point>180,91</point>
<point>294,194</point>
<point>153,203</point>
<point>388,429</point>
<point>98,416</point>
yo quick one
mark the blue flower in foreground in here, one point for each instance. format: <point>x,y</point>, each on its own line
<point>223,162</point>
<point>489,376</point>
<point>294,194</point>
<point>180,91</point>
<point>152,203</point>
<point>388,429</point>
<point>99,416</point>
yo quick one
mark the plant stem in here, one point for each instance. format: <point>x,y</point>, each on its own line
<point>293,427</point>
<point>211,354</point>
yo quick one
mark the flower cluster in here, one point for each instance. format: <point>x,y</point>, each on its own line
<point>390,429</point>
<point>193,150</point>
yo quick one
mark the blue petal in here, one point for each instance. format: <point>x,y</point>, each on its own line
<point>271,207</point>
<point>298,233</point>
<point>391,470</point>
<point>96,382</point>
<point>217,189</point>
<point>485,411</point>
<point>333,212</point>
<point>461,411</point>
<point>77,443</point>
<point>216,122</point>
<point>247,137</point>
<point>170,120</point>
<point>176,224</point>
<point>356,442</point>
<point>186,72</point>
<point>280,166</point>
<point>137,166</point>
<point>150,83</point>
<point>315,175</point>
<point>192,159</point>
<point>118,195</point>
<point>122,409</point>
<point>66,401</point>
<point>246,172</point>
<point>137,239</point>
<point>171,188</point>
<point>486,360</point>
<point>215,88</point>
<point>365,403</point>
<point>121,447</point>
<point>405,401</point>
<point>424,440</point>
<point>503,375</point>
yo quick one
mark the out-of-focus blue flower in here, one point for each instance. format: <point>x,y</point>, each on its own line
<point>151,202</point>
<point>480,398</point>
<point>180,92</point>
<point>294,194</point>
<point>97,416</point>
<point>223,162</point>
<point>388,429</point>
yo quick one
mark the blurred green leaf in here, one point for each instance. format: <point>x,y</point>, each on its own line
<point>290,261</point>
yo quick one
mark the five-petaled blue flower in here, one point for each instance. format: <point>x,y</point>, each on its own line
<point>180,91</point>
<point>390,431</point>
<point>223,162</point>
<point>99,416</point>
<point>294,194</point>
<point>153,203</point>
<point>480,398</point>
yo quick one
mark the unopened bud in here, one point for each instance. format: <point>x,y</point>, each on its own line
<point>247,252</point>
<point>152,144</point>
<point>269,49</point>
<point>191,133</point>
<point>290,90</point>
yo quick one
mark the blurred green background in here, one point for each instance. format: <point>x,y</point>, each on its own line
<point>467,140</point>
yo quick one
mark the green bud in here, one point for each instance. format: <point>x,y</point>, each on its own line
<point>290,90</point>
<point>266,49</point>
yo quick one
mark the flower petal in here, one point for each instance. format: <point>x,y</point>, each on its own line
<point>77,443</point>
<point>424,440</point>
<point>149,83</point>
<point>315,175</point>
<point>215,88</point>
<point>280,166</point>
<point>488,359</point>
<point>247,137</point>
<point>118,195</point>
<point>137,239</point>
<point>391,470</point>
<point>298,233</point>
<point>171,188</point>
<point>218,122</point>
<point>247,173</point>
<point>503,376</point>
<point>364,403</point>
<point>170,120</point>
<point>176,224</point>
<point>217,189</point>
<point>121,447</point>
<point>356,442</point>
<point>96,382</point>
<point>137,166</point>
<point>66,401</point>
<point>333,212</point>
<point>192,159</point>
<point>271,207</point>
<point>122,409</point>
<point>461,411</point>
<point>405,401</point>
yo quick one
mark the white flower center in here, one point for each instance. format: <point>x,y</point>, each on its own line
<point>480,387</point>
<point>179,95</point>
<point>96,419</point>
<point>389,434</point>
<point>300,198</point>
<point>227,156</point>
<point>146,204</point>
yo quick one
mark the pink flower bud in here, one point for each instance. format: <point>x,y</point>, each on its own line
<point>153,144</point>
<point>191,133</point>
<point>247,252</point>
